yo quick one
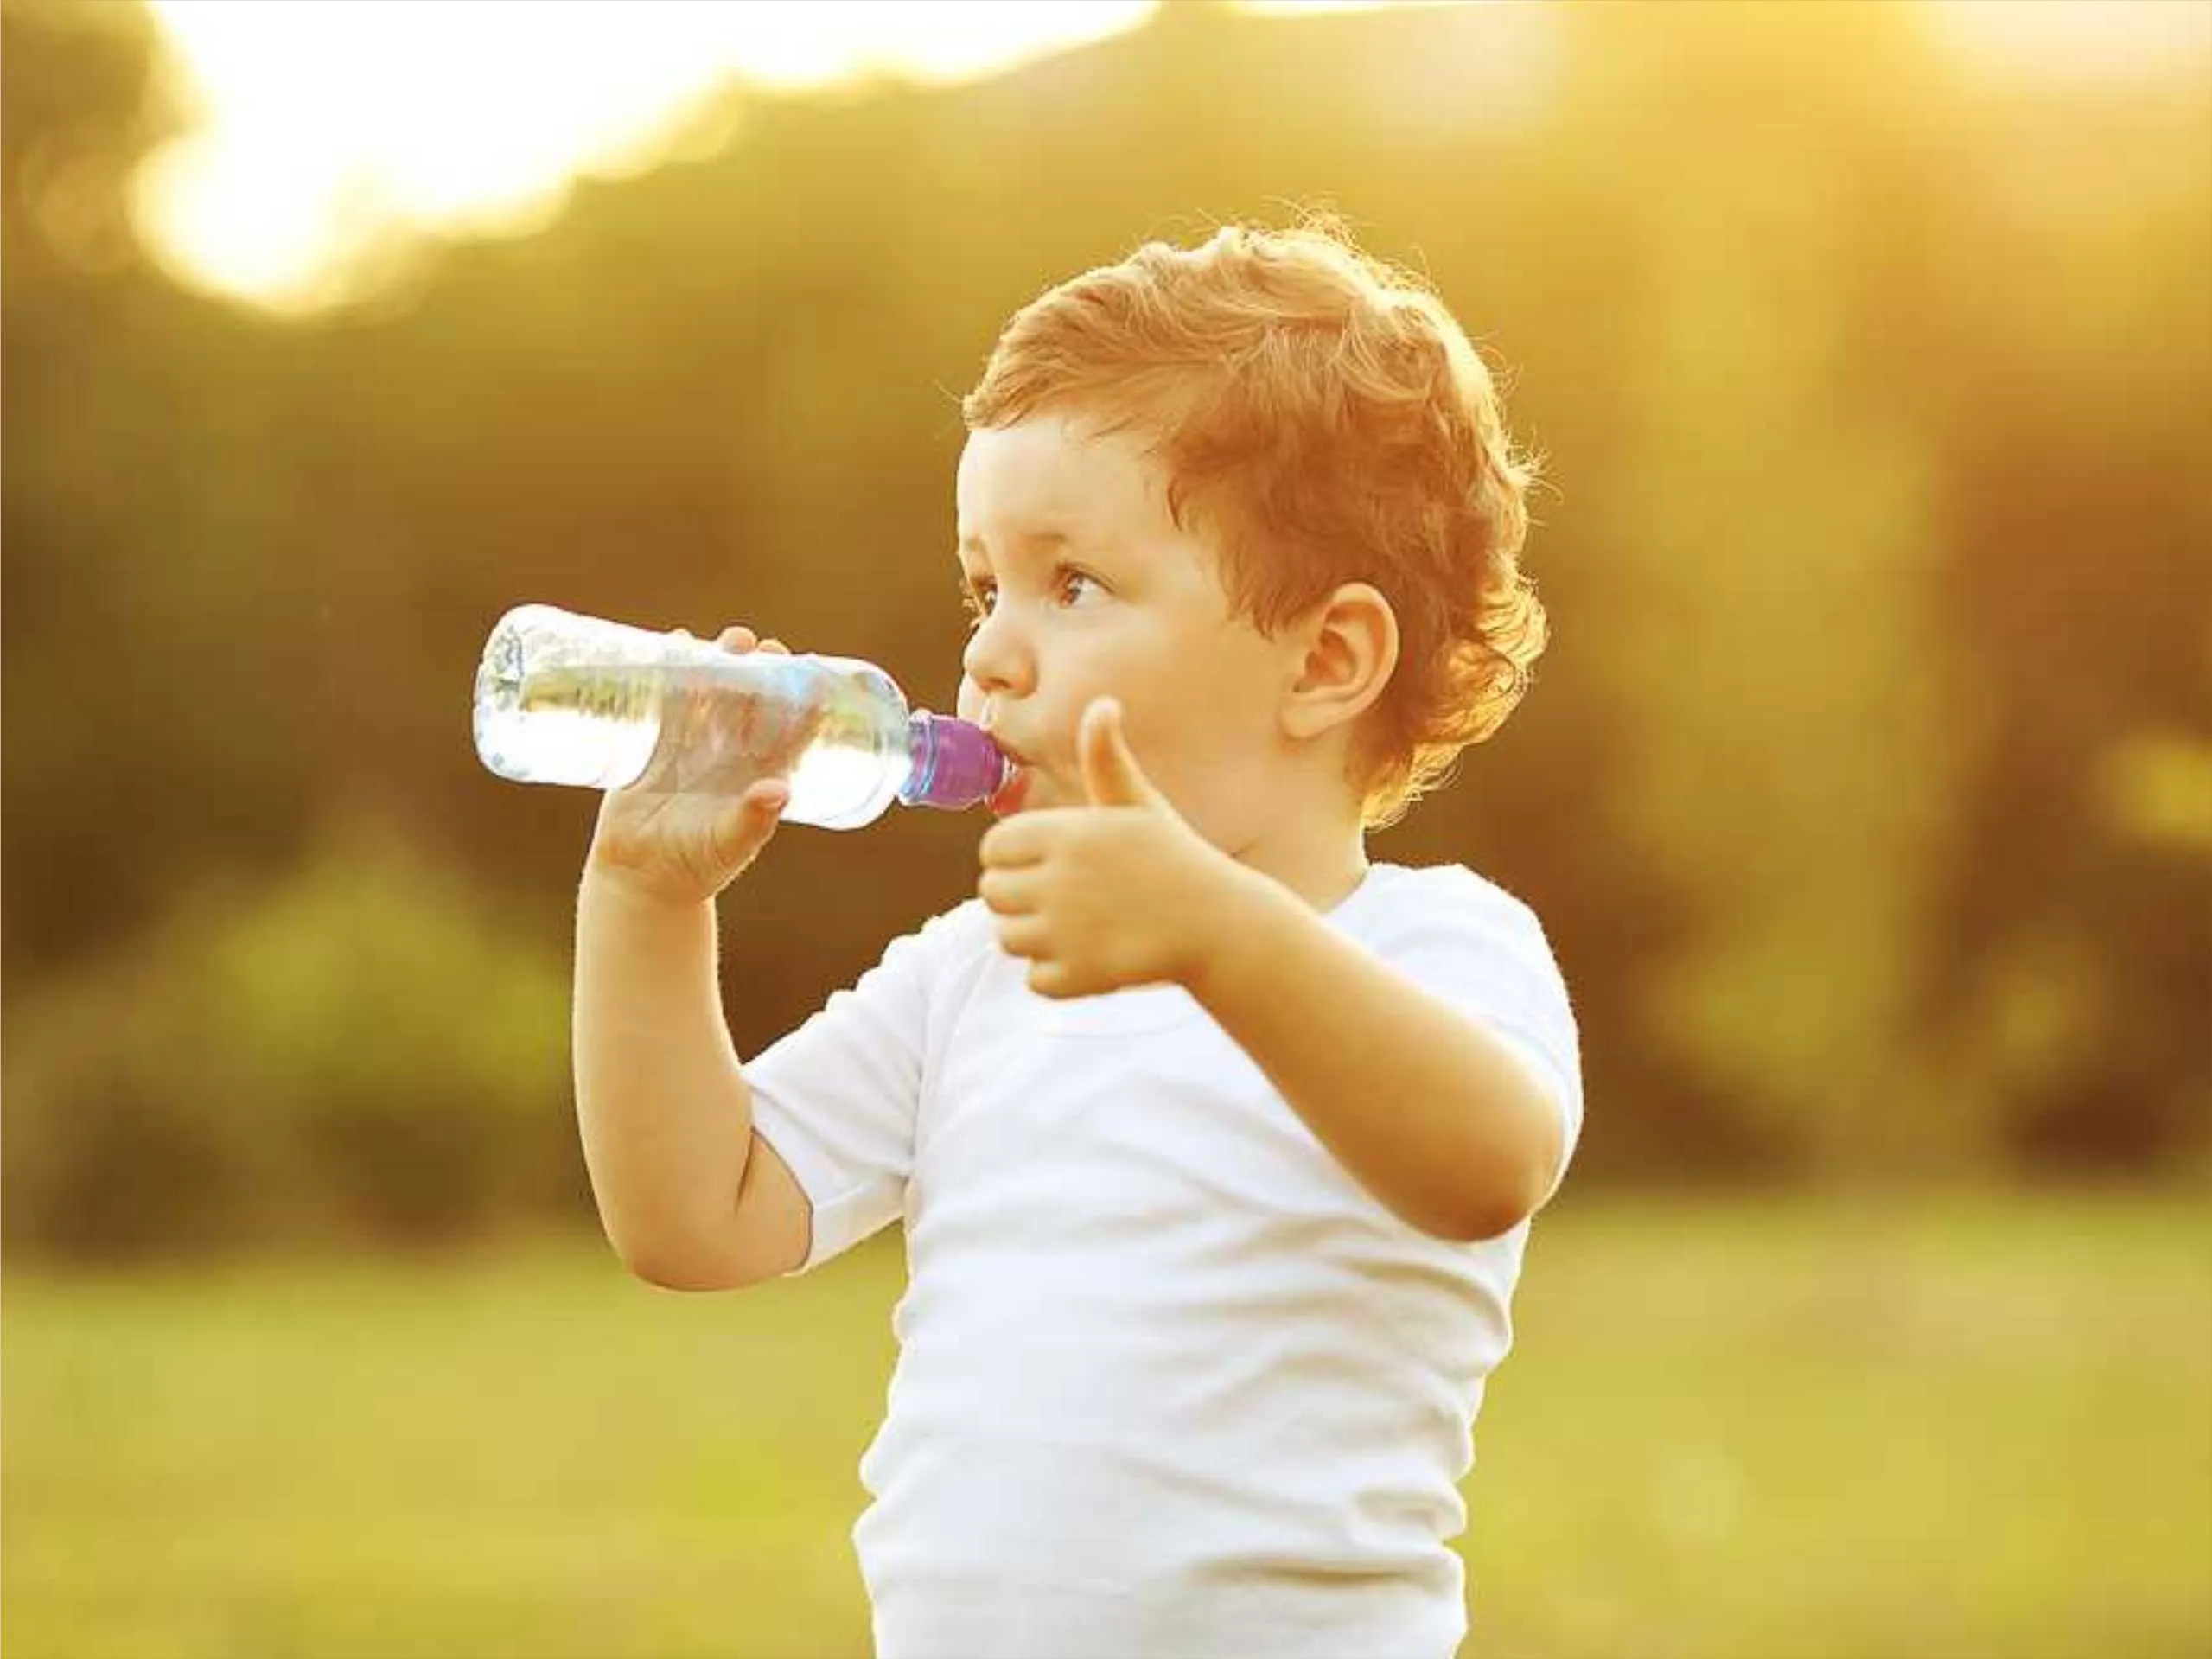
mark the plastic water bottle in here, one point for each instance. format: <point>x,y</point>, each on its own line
<point>565,698</point>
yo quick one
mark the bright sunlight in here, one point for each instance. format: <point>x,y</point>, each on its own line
<point>326,133</point>
<point>328,138</point>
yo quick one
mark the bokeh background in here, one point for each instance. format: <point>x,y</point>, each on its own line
<point>1866,790</point>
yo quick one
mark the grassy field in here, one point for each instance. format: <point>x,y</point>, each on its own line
<point>1759,1429</point>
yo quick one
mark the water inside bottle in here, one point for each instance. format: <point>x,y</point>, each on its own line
<point>692,730</point>
<point>589,724</point>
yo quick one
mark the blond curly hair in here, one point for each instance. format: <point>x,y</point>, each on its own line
<point>1329,422</point>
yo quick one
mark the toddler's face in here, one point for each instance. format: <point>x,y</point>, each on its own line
<point>1087,587</point>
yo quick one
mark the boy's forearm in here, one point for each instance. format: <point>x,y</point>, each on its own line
<point>662,1104</point>
<point>1435,1117</point>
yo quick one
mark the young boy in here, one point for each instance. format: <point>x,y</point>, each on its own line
<point>1216,1144</point>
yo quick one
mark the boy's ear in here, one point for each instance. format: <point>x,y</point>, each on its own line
<point>1348,648</point>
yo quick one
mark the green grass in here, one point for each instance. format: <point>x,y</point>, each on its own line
<point>1763,1429</point>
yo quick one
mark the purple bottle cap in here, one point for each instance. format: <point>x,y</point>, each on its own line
<point>956,765</point>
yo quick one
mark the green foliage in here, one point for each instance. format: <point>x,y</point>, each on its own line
<point>1861,791</point>
<point>358,1049</point>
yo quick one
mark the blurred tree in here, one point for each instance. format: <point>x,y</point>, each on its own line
<point>357,1050</point>
<point>1873,400</point>
<point>2066,373</point>
<point>157,669</point>
<point>1770,633</point>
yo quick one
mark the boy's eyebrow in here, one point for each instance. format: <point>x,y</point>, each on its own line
<point>1047,538</point>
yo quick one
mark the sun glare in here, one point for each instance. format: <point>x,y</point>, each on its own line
<point>327,134</point>
<point>2081,40</point>
<point>331,137</point>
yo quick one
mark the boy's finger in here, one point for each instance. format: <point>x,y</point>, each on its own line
<point>777,645</point>
<point>741,832</point>
<point>769,799</point>
<point>736,638</point>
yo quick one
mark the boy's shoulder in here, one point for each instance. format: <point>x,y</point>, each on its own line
<point>1449,895</point>
<point>956,939</point>
<point>960,928</point>
<point>1470,938</point>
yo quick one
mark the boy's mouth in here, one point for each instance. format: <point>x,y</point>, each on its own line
<point>1010,798</point>
<point>1016,789</point>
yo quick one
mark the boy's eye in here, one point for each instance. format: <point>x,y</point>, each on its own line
<point>1069,577</point>
<point>980,598</point>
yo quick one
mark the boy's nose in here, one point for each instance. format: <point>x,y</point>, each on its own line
<point>995,662</point>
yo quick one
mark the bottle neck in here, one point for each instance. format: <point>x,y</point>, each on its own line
<point>951,763</point>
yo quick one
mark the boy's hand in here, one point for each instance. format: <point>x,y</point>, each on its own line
<point>682,847</point>
<point>1114,894</point>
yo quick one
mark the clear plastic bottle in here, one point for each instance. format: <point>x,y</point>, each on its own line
<point>566,698</point>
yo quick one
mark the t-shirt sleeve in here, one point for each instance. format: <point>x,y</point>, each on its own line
<point>837,1096</point>
<point>1484,952</point>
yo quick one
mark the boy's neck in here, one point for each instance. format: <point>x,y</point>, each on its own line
<point>1323,870</point>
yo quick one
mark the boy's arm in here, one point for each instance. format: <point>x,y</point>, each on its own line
<point>690,1196</point>
<point>1436,1117</point>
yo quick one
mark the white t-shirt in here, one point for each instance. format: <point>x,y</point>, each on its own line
<point>1170,1382</point>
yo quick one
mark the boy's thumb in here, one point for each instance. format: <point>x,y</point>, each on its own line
<point>1111,774</point>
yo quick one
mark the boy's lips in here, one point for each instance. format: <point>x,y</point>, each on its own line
<point>1010,796</point>
<point>1016,791</point>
